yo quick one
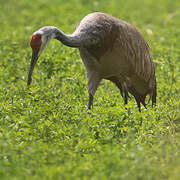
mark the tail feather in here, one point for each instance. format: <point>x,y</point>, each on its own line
<point>140,99</point>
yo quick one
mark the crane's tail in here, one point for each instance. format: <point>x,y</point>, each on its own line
<point>153,95</point>
<point>140,99</point>
<point>122,87</point>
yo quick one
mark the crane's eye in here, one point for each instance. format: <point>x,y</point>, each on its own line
<point>36,41</point>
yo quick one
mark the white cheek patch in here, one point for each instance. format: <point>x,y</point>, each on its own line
<point>44,40</point>
<point>46,36</point>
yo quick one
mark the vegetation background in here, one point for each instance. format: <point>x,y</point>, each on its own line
<point>45,132</point>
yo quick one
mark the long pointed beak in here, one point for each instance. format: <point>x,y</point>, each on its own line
<point>33,62</point>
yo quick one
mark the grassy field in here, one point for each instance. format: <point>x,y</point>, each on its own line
<point>45,132</point>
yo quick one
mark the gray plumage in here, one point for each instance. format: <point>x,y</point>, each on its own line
<point>111,49</point>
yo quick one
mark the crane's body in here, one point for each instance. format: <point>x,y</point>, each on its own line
<point>111,49</point>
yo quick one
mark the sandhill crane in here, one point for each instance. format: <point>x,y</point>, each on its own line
<point>111,49</point>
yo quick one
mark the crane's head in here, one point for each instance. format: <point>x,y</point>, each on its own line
<point>38,42</point>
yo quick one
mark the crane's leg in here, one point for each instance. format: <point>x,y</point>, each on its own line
<point>154,94</point>
<point>93,83</point>
<point>139,105</point>
<point>125,90</point>
<point>122,87</point>
<point>125,97</point>
<point>117,82</point>
<point>138,102</point>
<point>94,79</point>
<point>90,101</point>
<point>143,101</point>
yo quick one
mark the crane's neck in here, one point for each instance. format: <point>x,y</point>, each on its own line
<point>68,40</point>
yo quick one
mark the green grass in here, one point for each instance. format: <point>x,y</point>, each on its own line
<point>45,132</point>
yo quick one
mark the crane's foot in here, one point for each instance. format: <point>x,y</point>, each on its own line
<point>139,105</point>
